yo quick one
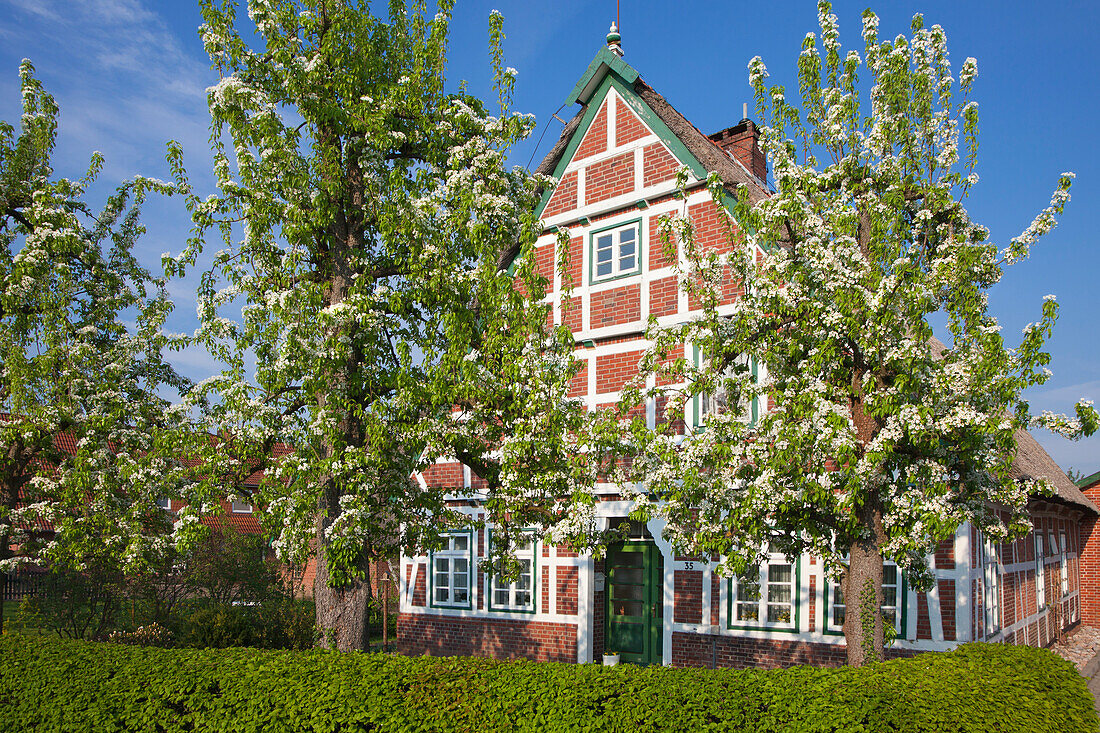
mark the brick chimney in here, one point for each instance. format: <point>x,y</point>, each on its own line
<point>742,141</point>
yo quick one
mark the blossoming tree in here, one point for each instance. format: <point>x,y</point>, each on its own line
<point>364,210</point>
<point>872,440</point>
<point>81,367</point>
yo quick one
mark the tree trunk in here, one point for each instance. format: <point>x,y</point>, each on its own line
<point>341,612</point>
<point>862,583</point>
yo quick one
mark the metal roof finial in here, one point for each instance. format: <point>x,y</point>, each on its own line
<point>614,39</point>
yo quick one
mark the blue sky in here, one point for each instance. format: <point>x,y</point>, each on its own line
<point>131,74</point>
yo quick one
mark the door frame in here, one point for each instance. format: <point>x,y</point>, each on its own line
<point>652,601</point>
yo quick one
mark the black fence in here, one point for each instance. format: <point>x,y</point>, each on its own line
<point>19,585</point>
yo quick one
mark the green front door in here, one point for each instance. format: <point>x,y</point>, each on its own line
<point>635,571</point>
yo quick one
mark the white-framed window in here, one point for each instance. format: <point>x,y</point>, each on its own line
<point>519,594</point>
<point>165,504</point>
<point>991,587</point>
<point>616,251</point>
<point>451,571</point>
<point>893,601</point>
<point>704,405</point>
<point>1063,562</point>
<point>766,596</point>
<point>1040,579</point>
<point>240,507</point>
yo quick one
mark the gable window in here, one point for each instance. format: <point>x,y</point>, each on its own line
<point>240,507</point>
<point>893,601</point>
<point>766,596</point>
<point>164,503</point>
<point>451,572</point>
<point>616,251</point>
<point>518,594</point>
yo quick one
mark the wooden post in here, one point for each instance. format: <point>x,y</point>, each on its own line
<point>385,610</point>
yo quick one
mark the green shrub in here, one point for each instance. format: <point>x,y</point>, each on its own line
<point>274,624</point>
<point>64,685</point>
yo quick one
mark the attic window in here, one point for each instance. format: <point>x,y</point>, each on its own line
<point>616,251</point>
<point>239,507</point>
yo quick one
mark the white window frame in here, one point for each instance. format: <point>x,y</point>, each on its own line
<point>703,405</point>
<point>446,564</point>
<point>164,503</point>
<point>514,590</point>
<point>1040,574</point>
<point>835,591</point>
<point>615,243</point>
<point>763,601</point>
<point>240,507</point>
<point>1063,561</point>
<point>991,586</point>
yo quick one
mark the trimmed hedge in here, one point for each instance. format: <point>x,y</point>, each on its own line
<point>56,685</point>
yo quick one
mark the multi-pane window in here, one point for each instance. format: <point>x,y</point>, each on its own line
<point>1063,561</point>
<point>766,595</point>
<point>165,504</point>
<point>451,572</point>
<point>706,405</point>
<point>991,587</point>
<point>1040,580</point>
<point>892,599</point>
<point>615,252</point>
<point>517,594</point>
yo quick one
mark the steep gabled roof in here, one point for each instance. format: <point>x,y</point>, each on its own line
<point>1032,462</point>
<point>674,129</point>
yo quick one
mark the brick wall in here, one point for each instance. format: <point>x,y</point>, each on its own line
<point>615,306</point>
<point>609,178</point>
<point>687,597</point>
<point>657,258</point>
<point>1088,567</point>
<point>711,650</point>
<point>628,127</point>
<point>663,296</point>
<point>658,165</point>
<point>564,197</point>
<point>595,140</point>
<point>613,370</point>
<point>567,582</point>
<point>447,636</point>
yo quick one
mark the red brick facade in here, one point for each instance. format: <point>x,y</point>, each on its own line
<point>622,176</point>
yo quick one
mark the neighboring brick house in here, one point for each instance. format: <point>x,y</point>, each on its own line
<point>617,162</point>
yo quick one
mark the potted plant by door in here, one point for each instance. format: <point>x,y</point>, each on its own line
<point>610,658</point>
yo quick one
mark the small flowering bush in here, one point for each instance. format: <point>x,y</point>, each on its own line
<point>150,635</point>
